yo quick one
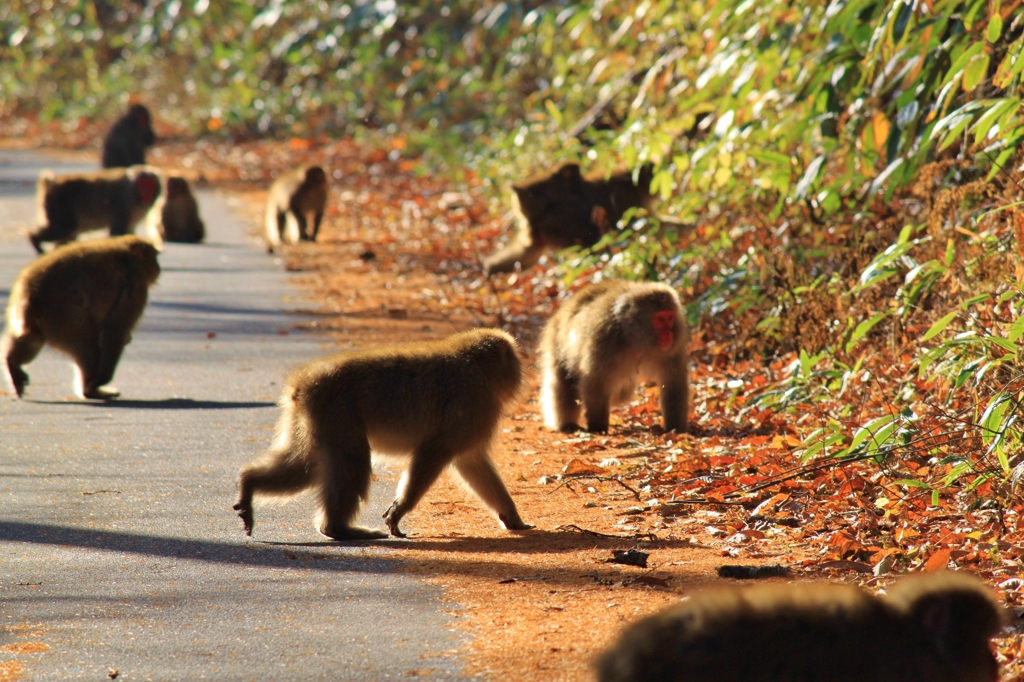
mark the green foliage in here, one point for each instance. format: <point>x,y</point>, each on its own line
<point>791,136</point>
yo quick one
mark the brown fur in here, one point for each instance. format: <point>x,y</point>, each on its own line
<point>563,209</point>
<point>437,403</point>
<point>83,299</point>
<point>596,344</point>
<point>71,204</point>
<point>126,143</point>
<point>293,197</point>
<point>179,213</point>
<point>929,628</point>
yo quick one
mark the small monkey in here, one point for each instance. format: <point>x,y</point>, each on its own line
<point>126,143</point>
<point>293,197</point>
<point>437,403</point>
<point>83,299</point>
<point>71,204</point>
<point>930,628</point>
<point>600,340</point>
<point>178,215</point>
<point>563,209</point>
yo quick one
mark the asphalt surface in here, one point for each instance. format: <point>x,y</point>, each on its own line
<point>118,547</point>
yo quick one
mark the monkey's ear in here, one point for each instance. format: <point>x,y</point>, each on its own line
<point>570,172</point>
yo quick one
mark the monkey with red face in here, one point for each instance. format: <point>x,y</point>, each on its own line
<point>598,343</point>
<point>71,204</point>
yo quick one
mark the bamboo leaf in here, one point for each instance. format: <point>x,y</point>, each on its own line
<point>937,328</point>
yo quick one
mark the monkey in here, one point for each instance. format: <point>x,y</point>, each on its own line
<point>294,196</point>
<point>929,628</point>
<point>175,218</point>
<point>563,209</point>
<point>595,345</point>
<point>126,143</point>
<point>437,403</point>
<point>117,198</point>
<point>83,299</point>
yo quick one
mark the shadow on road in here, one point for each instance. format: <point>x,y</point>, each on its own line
<point>247,554</point>
<point>165,404</point>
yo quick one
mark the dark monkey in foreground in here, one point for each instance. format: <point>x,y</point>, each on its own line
<point>71,204</point>
<point>83,299</point>
<point>126,143</point>
<point>601,340</point>
<point>295,197</point>
<point>930,628</point>
<point>563,209</point>
<point>437,403</point>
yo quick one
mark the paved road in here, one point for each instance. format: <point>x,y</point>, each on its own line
<point>118,548</point>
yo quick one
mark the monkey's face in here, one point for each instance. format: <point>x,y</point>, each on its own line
<point>664,322</point>
<point>316,177</point>
<point>147,188</point>
<point>143,124</point>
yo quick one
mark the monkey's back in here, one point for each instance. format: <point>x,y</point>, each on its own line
<point>586,331</point>
<point>90,196</point>
<point>81,282</point>
<point>805,633</point>
<point>420,390</point>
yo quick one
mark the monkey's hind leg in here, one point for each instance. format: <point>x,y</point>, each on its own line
<point>480,474</point>
<point>280,472</point>
<point>317,219</point>
<point>60,232</point>
<point>596,403</point>
<point>96,365</point>
<point>18,351</point>
<point>302,220</point>
<point>345,484</point>
<point>560,400</point>
<point>428,461</point>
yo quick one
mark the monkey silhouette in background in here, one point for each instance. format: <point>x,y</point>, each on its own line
<point>126,143</point>
<point>176,216</point>
<point>563,209</point>
<point>295,197</point>
<point>83,299</point>
<point>437,403</point>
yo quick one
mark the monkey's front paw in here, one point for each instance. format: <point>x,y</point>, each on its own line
<point>391,519</point>
<point>245,513</point>
<point>102,393</point>
<point>571,427</point>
